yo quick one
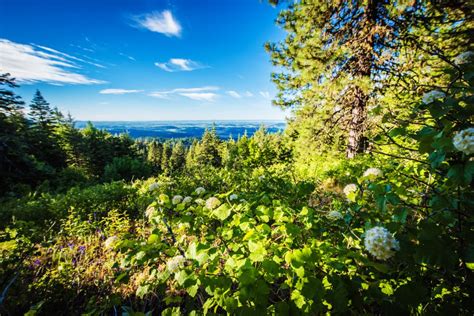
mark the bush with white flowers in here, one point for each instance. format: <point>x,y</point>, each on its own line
<point>380,243</point>
<point>200,191</point>
<point>174,264</point>
<point>154,186</point>
<point>373,173</point>
<point>334,215</point>
<point>430,97</point>
<point>233,197</point>
<point>464,141</point>
<point>212,203</point>
<point>199,201</point>
<point>349,189</point>
<point>177,199</point>
<point>187,200</point>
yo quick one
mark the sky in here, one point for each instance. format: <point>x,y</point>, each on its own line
<point>143,59</point>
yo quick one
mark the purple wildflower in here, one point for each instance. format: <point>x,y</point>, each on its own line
<point>81,249</point>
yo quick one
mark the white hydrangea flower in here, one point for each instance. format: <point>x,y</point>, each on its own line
<point>334,215</point>
<point>233,197</point>
<point>350,188</point>
<point>212,203</point>
<point>200,201</point>
<point>187,200</point>
<point>432,96</point>
<point>154,186</point>
<point>175,263</point>
<point>464,141</point>
<point>150,212</point>
<point>110,242</point>
<point>373,173</point>
<point>380,243</point>
<point>464,58</point>
<point>177,199</point>
<point>200,191</point>
<point>261,178</point>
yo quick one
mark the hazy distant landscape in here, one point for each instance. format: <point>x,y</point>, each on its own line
<point>184,129</point>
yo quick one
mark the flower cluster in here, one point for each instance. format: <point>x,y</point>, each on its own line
<point>110,242</point>
<point>430,97</point>
<point>187,200</point>
<point>199,201</point>
<point>175,263</point>
<point>154,186</point>
<point>200,191</point>
<point>464,58</point>
<point>150,212</point>
<point>334,215</point>
<point>233,197</point>
<point>177,199</point>
<point>380,243</point>
<point>464,141</point>
<point>212,203</point>
<point>373,173</point>
<point>350,188</point>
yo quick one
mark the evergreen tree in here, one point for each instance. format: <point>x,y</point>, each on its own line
<point>154,153</point>
<point>15,163</point>
<point>41,113</point>
<point>9,102</point>
<point>207,150</point>
<point>178,157</point>
<point>165,157</point>
<point>333,57</point>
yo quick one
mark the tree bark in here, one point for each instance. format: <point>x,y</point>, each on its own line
<point>356,141</point>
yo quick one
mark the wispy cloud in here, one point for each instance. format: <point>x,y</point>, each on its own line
<point>161,22</point>
<point>265,94</point>
<point>68,56</point>
<point>118,91</point>
<point>34,63</point>
<point>198,94</point>
<point>239,95</point>
<point>204,96</point>
<point>179,64</point>
<point>127,56</point>
<point>234,94</point>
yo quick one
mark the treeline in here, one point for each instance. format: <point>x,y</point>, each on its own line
<point>42,147</point>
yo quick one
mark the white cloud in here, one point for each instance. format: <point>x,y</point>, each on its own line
<point>265,94</point>
<point>118,91</point>
<point>248,94</point>
<point>127,56</point>
<point>28,64</point>
<point>66,56</point>
<point>205,96</point>
<point>179,64</point>
<point>234,94</point>
<point>160,22</point>
<point>199,93</point>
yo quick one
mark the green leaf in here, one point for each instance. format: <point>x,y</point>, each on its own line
<point>222,212</point>
<point>153,238</point>
<point>257,251</point>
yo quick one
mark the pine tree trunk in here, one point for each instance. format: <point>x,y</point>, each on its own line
<point>359,99</point>
<point>355,143</point>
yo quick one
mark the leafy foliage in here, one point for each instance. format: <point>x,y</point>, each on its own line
<point>278,224</point>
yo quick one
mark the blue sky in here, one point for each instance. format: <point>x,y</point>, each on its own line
<point>143,59</point>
